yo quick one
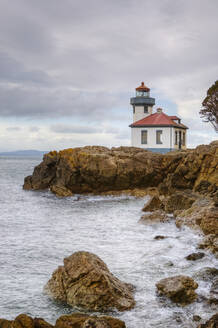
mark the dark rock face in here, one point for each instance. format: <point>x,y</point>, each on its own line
<point>210,242</point>
<point>195,256</point>
<point>159,237</point>
<point>212,323</point>
<point>80,320</point>
<point>180,289</point>
<point>180,200</point>
<point>85,281</point>
<point>99,169</point>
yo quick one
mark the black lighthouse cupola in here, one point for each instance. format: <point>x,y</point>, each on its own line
<point>142,103</point>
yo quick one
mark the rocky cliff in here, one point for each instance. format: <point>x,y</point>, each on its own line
<point>99,169</point>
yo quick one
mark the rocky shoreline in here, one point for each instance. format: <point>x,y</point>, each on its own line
<point>182,187</point>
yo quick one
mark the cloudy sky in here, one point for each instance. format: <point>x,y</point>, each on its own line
<point>68,68</point>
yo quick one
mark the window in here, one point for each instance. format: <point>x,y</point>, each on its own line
<point>159,137</point>
<point>133,109</point>
<point>183,139</point>
<point>145,109</point>
<point>176,138</point>
<point>144,137</point>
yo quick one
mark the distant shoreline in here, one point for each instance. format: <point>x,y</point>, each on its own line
<point>23,153</point>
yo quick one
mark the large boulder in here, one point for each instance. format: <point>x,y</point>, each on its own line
<point>85,282</point>
<point>180,200</point>
<point>180,289</point>
<point>99,169</point>
<point>81,320</point>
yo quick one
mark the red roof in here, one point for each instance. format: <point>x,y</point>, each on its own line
<point>142,88</point>
<point>158,119</point>
<point>174,117</point>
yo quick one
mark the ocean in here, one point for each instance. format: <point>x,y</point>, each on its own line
<point>37,230</point>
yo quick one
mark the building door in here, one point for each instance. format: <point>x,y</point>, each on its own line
<point>180,139</point>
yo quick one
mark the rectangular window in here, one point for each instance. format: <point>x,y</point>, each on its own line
<point>159,137</point>
<point>133,109</point>
<point>176,138</point>
<point>144,137</point>
<point>145,109</point>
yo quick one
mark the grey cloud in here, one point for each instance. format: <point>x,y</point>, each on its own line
<point>34,129</point>
<point>13,128</point>
<point>61,128</point>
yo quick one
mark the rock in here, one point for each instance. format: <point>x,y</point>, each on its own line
<point>159,237</point>
<point>80,320</point>
<point>214,292</point>
<point>206,274</point>
<point>210,242</point>
<point>209,221</point>
<point>180,200</point>
<point>156,216</point>
<point>85,282</point>
<point>196,318</point>
<point>195,256</point>
<point>211,323</point>
<point>99,169</point>
<point>154,203</point>
<point>180,289</point>
<point>61,191</point>
<point>24,321</point>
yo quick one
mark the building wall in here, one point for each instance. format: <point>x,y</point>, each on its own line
<point>167,137</point>
<point>184,146</point>
<point>139,113</point>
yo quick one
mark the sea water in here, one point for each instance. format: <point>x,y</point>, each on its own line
<point>38,229</point>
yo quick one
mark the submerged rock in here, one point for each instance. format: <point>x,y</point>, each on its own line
<point>206,274</point>
<point>159,237</point>
<point>156,216</point>
<point>85,282</point>
<point>210,242</point>
<point>180,289</point>
<point>195,256</point>
<point>211,323</point>
<point>81,320</point>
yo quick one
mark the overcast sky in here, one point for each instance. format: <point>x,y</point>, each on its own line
<point>68,68</point>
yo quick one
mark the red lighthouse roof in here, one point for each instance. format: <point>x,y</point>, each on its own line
<point>157,119</point>
<point>142,87</point>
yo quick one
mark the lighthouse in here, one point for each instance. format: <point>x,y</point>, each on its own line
<point>155,131</point>
<point>142,103</point>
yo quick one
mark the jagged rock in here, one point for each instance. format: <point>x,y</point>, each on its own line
<point>61,191</point>
<point>99,169</point>
<point>214,292</point>
<point>196,318</point>
<point>210,242</point>
<point>156,216</point>
<point>80,320</point>
<point>180,289</point>
<point>195,256</point>
<point>154,203</point>
<point>211,323</point>
<point>24,321</point>
<point>180,200</point>
<point>159,237</point>
<point>85,281</point>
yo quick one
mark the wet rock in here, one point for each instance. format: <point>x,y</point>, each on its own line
<point>210,242</point>
<point>85,282</point>
<point>209,221</point>
<point>24,321</point>
<point>195,256</point>
<point>180,200</point>
<point>211,323</point>
<point>206,274</point>
<point>154,203</point>
<point>159,237</point>
<point>180,289</point>
<point>214,292</point>
<point>156,216</point>
<point>196,318</point>
<point>80,320</point>
<point>61,191</point>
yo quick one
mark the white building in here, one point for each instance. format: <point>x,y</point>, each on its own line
<point>155,131</point>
